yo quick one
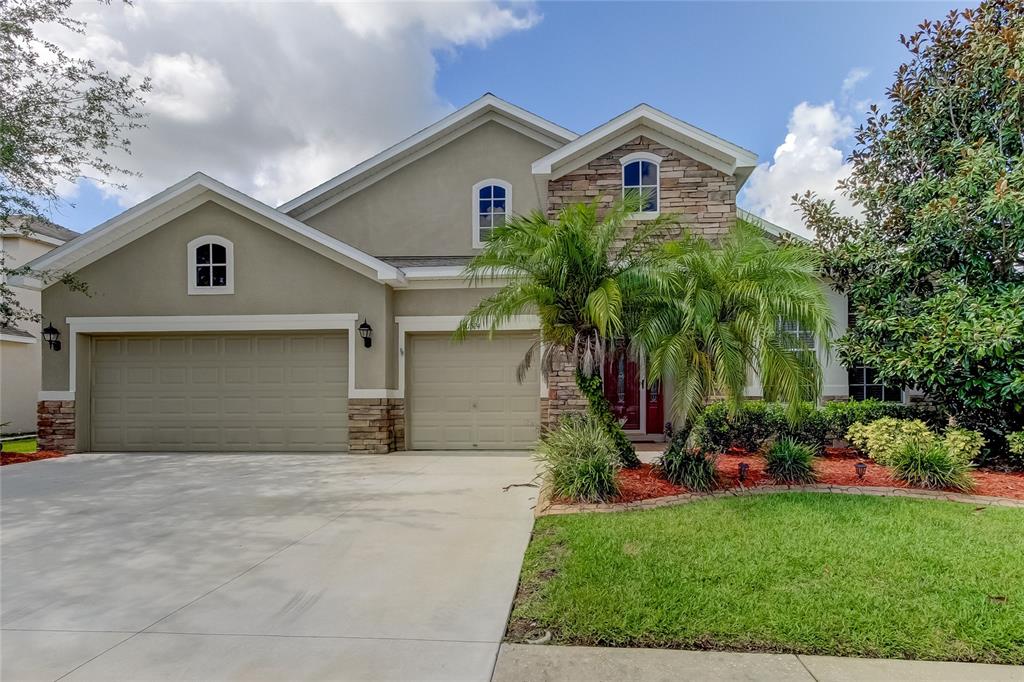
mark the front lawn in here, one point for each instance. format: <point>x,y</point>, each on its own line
<point>20,445</point>
<point>803,573</point>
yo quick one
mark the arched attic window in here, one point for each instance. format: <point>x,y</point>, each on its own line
<point>491,201</point>
<point>211,266</point>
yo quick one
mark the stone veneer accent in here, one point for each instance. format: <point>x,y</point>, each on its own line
<point>55,425</point>
<point>376,425</point>
<point>703,198</point>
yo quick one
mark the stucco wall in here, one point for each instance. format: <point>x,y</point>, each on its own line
<point>20,362</point>
<point>426,208</point>
<point>273,275</point>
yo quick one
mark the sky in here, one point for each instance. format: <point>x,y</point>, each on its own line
<point>275,97</point>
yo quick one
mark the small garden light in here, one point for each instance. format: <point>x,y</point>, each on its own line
<point>366,332</point>
<point>861,468</point>
<point>52,336</point>
<point>744,468</point>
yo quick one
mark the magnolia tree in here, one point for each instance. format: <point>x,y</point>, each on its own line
<point>934,267</point>
<point>61,117</point>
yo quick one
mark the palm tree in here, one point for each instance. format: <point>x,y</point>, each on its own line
<point>723,316</point>
<point>579,274</point>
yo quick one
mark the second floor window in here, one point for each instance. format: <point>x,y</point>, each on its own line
<point>640,178</point>
<point>491,199</point>
<point>211,266</point>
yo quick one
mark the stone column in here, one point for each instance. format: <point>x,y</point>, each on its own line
<point>376,425</point>
<point>55,425</point>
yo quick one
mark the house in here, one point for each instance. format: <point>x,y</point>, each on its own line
<point>21,241</point>
<point>219,323</point>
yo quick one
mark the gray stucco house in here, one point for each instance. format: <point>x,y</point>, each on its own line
<point>218,323</point>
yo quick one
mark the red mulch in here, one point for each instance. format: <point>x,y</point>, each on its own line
<point>19,457</point>
<point>836,467</point>
<point>643,483</point>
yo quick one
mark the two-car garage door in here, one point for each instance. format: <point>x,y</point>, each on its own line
<point>464,396</point>
<point>259,392</point>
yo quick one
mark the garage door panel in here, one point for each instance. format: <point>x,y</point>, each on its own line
<point>465,395</point>
<point>258,392</point>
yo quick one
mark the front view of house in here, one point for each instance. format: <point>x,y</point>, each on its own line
<point>217,323</point>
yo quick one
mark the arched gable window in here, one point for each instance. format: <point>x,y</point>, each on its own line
<point>211,266</point>
<point>491,201</point>
<point>640,173</point>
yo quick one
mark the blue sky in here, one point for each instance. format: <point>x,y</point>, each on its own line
<point>736,69</point>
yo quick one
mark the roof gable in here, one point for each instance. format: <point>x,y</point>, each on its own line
<point>456,124</point>
<point>645,120</point>
<point>182,198</point>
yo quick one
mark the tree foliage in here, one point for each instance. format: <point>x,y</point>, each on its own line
<point>934,266</point>
<point>61,117</point>
<point>718,320</point>
<point>581,274</point>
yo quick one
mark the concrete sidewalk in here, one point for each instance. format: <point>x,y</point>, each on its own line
<point>526,663</point>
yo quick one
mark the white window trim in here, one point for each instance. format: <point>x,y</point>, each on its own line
<point>800,330</point>
<point>652,158</point>
<point>229,248</point>
<point>477,242</point>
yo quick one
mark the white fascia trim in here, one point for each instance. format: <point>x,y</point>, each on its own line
<point>33,236</point>
<point>555,135</point>
<point>27,282</point>
<point>434,272</point>
<point>146,216</point>
<point>222,323</point>
<point>446,323</point>
<point>15,338</point>
<point>701,140</point>
<point>768,226</point>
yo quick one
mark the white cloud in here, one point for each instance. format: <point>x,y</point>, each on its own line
<point>275,98</point>
<point>855,76</point>
<point>810,158</point>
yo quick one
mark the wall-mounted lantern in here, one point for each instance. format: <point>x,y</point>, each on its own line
<point>366,332</point>
<point>52,336</point>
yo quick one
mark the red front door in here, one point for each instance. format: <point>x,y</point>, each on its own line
<point>622,387</point>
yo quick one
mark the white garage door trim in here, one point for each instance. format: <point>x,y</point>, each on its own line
<point>214,323</point>
<point>449,323</point>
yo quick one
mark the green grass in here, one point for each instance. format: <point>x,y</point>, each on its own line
<point>22,445</point>
<point>802,573</point>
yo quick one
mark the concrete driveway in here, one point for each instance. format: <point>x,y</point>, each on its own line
<point>259,567</point>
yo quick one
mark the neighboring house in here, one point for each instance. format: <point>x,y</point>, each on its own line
<point>21,241</point>
<point>217,322</point>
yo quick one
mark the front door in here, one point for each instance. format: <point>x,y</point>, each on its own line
<point>622,387</point>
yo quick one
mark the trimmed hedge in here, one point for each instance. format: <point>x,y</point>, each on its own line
<point>759,423</point>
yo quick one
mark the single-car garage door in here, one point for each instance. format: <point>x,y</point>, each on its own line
<point>464,396</point>
<point>260,392</point>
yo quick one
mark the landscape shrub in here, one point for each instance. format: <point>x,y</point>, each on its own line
<point>963,444</point>
<point>841,415</point>
<point>931,465</point>
<point>580,459</point>
<point>881,439</point>
<point>755,424</point>
<point>790,461</point>
<point>689,467</point>
<point>1016,443</point>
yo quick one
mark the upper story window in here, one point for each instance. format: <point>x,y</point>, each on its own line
<point>211,266</point>
<point>491,200</point>
<point>640,172</point>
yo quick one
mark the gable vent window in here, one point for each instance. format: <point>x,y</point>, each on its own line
<point>211,264</point>
<point>491,200</point>
<point>640,173</point>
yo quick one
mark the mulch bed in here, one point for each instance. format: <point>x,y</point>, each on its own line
<point>836,467</point>
<point>19,457</point>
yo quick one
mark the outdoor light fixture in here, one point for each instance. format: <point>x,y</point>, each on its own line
<point>861,467</point>
<point>744,468</point>
<point>366,331</point>
<point>52,336</point>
